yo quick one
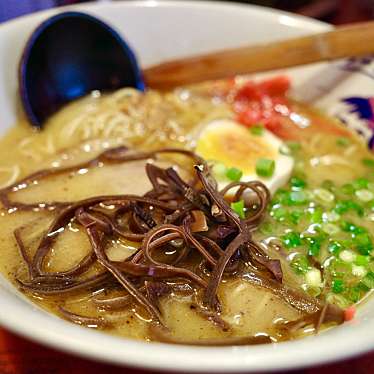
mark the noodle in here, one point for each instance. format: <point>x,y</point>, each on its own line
<point>121,226</point>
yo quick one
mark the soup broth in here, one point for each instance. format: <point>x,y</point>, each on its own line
<point>318,225</point>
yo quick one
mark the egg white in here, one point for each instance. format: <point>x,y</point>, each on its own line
<point>229,143</point>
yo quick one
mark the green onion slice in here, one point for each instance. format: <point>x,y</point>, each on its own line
<point>265,167</point>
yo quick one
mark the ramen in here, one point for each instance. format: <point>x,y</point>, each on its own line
<point>217,214</point>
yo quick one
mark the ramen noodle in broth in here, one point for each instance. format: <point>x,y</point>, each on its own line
<point>219,214</point>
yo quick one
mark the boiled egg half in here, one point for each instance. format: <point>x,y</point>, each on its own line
<point>238,153</point>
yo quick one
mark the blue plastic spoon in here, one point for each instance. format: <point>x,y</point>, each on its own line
<point>68,56</point>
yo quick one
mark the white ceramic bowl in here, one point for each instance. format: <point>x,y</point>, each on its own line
<point>158,31</point>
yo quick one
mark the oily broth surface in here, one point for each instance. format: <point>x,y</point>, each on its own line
<point>75,135</point>
<point>72,246</point>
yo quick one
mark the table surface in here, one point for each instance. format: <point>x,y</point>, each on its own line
<point>19,356</point>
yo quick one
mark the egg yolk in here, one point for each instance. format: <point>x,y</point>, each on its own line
<point>234,146</point>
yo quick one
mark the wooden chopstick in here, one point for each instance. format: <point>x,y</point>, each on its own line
<point>346,41</point>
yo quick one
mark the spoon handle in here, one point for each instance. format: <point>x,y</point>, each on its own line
<point>346,41</point>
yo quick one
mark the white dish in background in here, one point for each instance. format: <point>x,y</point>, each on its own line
<point>159,31</point>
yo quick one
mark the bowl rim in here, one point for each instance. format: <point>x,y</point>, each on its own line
<point>292,19</point>
<point>48,329</point>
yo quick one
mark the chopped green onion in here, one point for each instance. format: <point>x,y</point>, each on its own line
<point>219,170</point>
<point>350,227</point>
<point>293,146</point>
<point>357,208</point>
<point>323,195</point>
<point>331,216</point>
<point>298,183</point>
<point>238,207</point>
<point>362,260</point>
<point>369,162</point>
<point>257,130</point>
<point>234,174</point>
<point>371,205</point>
<point>337,286</point>
<point>284,198</point>
<point>300,264</point>
<point>348,189</point>
<point>364,195</point>
<point>281,197</point>
<point>363,243</point>
<point>295,216</point>
<point>361,183</point>
<point>339,268</point>
<point>370,216</point>
<point>359,271</point>
<point>298,198</point>
<point>330,228</point>
<point>354,294</point>
<point>313,278</point>
<point>314,245</point>
<point>335,247</point>
<point>315,215</point>
<point>341,207</point>
<point>291,239</point>
<point>265,167</point>
<point>347,256</point>
<point>338,300</point>
<point>280,214</point>
<point>309,195</point>
<point>368,280</point>
<point>343,142</point>
<point>344,206</point>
